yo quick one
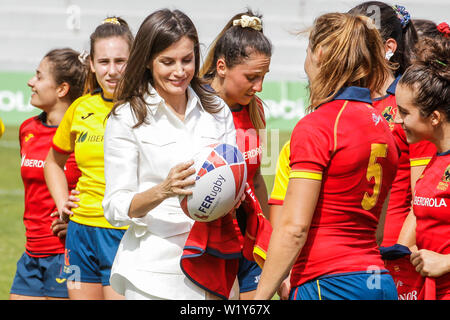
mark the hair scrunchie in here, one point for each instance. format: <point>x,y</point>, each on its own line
<point>248,22</point>
<point>402,14</point>
<point>111,20</point>
<point>444,29</point>
<point>83,56</point>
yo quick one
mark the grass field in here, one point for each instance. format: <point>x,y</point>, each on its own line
<point>12,230</point>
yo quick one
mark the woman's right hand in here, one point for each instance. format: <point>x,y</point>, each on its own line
<point>178,179</point>
<point>66,211</point>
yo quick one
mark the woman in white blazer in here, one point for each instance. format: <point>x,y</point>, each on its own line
<point>162,117</point>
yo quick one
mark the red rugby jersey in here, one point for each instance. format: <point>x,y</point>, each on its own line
<point>248,140</point>
<point>432,209</point>
<point>347,145</point>
<point>400,198</point>
<point>35,141</point>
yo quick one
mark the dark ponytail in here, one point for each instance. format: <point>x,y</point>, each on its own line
<point>429,75</point>
<point>67,66</point>
<point>395,23</point>
<point>234,44</point>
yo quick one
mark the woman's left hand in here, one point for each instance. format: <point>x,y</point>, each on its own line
<point>238,204</point>
<point>430,264</point>
<point>59,226</point>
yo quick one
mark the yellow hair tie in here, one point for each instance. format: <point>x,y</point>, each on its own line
<point>248,22</point>
<point>111,20</point>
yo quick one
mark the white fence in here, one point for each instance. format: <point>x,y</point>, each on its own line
<point>30,28</point>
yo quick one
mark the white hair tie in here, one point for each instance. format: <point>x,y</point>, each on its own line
<point>83,56</point>
<point>249,22</point>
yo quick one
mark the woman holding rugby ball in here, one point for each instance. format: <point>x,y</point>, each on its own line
<point>162,116</point>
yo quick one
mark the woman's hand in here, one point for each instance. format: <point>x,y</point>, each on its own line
<point>66,211</point>
<point>285,288</point>
<point>430,264</point>
<point>177,180</point>
<point>58,226</point>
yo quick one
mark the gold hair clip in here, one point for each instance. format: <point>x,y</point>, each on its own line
<point>111,20</point>
<point>83,56</point>
<point>249,22</point>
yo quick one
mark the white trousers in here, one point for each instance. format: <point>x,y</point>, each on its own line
<point>133,293</point>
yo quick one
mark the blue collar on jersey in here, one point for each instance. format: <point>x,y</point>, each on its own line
<point>354,94</point>
<point>42,117</point>
<point>99,90</point>
<point>443,153</point>
<point>393,86</point>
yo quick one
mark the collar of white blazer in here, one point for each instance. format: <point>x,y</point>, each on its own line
<point>155,101</point>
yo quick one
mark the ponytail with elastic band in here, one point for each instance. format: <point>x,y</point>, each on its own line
<point>83,56</point>
<point>402,14</point>
<point>248,22</point>
<point>444,29</point>
<point>112,20</point>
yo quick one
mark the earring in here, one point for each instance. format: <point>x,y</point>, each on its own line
<point>389,55</point>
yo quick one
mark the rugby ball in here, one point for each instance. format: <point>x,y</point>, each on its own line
<point>220,177</point>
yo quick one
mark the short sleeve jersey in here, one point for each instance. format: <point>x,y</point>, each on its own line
<point>35,138</point>
<point>81,131</point>
<point>432,210</point>
<point>281,176</point>
<point>248,140</point>
<point>418,154</point>
<point>348,147</point>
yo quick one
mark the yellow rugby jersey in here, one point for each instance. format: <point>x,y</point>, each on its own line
<point>281,176</point>
<point>81,131</point>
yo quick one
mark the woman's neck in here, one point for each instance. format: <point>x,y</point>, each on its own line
<point>177,104</point>
<point>56,113</point>
<point>443,138</point>
<point>217,85</point>
<point>386,85</point>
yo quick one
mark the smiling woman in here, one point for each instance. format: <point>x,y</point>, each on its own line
<point>173,70</point>
<point>164,115</point>
<point>59,80</point>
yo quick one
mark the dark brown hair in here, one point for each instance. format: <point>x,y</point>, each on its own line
<point>159,31</point>
<point>66,66</point>
<point>390,27</point>
<point>429,76</point>
<point>110,27</point>
<point>235,44</point>
<point>426,28</point>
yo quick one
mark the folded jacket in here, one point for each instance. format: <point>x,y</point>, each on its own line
<point>212,250</point>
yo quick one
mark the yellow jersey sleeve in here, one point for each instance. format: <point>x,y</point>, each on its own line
<point>64,138</point>
<point>281,176</point>
<point>2,127</point>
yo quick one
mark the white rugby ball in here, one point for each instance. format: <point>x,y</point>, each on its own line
<point>220,174</point>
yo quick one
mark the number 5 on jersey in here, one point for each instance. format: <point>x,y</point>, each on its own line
<point>375,171</point>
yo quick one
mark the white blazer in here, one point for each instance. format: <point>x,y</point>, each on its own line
<point>137,159</point>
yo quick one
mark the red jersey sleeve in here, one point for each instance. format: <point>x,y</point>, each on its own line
<point>311,149</point>
<point>420,153</point>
